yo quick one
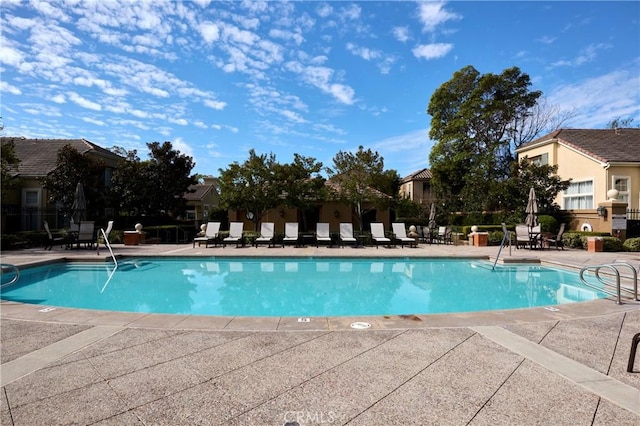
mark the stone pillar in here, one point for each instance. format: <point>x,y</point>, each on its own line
<point>615,216</point>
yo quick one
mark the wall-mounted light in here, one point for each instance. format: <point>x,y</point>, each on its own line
<point>336,213</point>
<point>602,211</point>
<point>281,213</point>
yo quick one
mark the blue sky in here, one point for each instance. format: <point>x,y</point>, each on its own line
<point>219,78</point>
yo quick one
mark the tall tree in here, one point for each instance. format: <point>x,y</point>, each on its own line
<point>353,179</point>
<point>251,186</point>
<point>72,167</point>
<point>155,186</point>
<point>9,162</point>
<point>301,184</point>
<point>474,123</point>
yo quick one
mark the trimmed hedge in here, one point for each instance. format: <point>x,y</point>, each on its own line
<point>631,244</point>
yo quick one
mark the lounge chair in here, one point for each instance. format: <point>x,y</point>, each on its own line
<point>291,235</point>
<point>346,234</point>
<point>210,235</point>
<point>522,236</point>
<point>267,230</point>
<point>52,239</point>
<point>322,234</point>
<point>556,240</point>
<point>377,234</point>
<point>235,234</point>
<point>400,235</point>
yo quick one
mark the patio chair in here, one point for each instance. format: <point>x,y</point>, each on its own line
<point>267,230</point>
<point>527,237</point>
<point>235,234</point>
<point>400,235</point>
<point>346,234</point>
<point>556,240</point>
<point>444,235</point>
<point>322,234</point>
<point>86,234</point>
<point>210,235</point>
<point>291,235</point>
<point>53,240</point>
<point>377,234</point>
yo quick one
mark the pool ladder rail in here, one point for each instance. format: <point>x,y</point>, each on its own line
<point>106,243</point>
<point>605,283</point>
<point>9,268</point>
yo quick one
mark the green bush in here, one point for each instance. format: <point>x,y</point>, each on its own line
<point>495,238</point>
<point>548,223</point>
<point>611,244</point>
<point>631,244</point>
<point>574,240</point>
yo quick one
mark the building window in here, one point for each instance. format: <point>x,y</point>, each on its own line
<point>579,196</point>
<point>621,183</point>
<point>540,160</point>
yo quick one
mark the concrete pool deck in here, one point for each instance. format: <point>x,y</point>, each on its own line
<point>565,365</point>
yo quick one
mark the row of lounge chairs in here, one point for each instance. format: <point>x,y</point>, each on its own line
<point>293,236</point>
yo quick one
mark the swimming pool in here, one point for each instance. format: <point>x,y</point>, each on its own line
<point>296,287</point>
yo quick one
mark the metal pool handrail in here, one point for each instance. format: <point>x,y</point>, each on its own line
<point>106,242</point>
<point>506,235</point>
<point>606,283</point>
<point>7,267</point>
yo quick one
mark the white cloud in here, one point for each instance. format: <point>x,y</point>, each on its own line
<point>180,145</point>
<point>324,10</point>
<point>433,14</point>
<point>600,99</point>
<point>92,121</point>
<point>6,87</point>
<point>293,116</point>
<point>401,33</point>
<point>363,52</point>
<point>586,55</point>
<point>59,99</point>
<point>217,105</point>
<point>209,31</point>
<point>84,103</point>
<point>432,51</point>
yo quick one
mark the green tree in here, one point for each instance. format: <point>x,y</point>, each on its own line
<point>353,179</point>
<point>251,186</point>
<point>475,122</point>
<point>155,186</point>
<point>301,184</point>
<point>72,167</point>
<point>525,175</point>
<point>9,161</point>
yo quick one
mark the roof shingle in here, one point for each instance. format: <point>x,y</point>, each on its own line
<point>606,145</point>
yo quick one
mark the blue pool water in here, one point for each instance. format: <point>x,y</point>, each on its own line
<point>296,287</point>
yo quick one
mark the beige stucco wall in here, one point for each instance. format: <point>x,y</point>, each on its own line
<point>579,167</point>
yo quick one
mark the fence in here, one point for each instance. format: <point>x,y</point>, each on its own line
<point>633,223</point>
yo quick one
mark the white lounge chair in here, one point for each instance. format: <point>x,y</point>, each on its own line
<point>210,235</point>
<point>400,235</point>
<point>322,234</point>
<point>235,234</point>
<point>267,231</point>
<point>346,234</point>
<point>377,234</point>
<point>291,235</point>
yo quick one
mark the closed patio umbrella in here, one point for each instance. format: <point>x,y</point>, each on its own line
<point>432,217</point>
<point>79,205</point>
<point>532,209</point>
